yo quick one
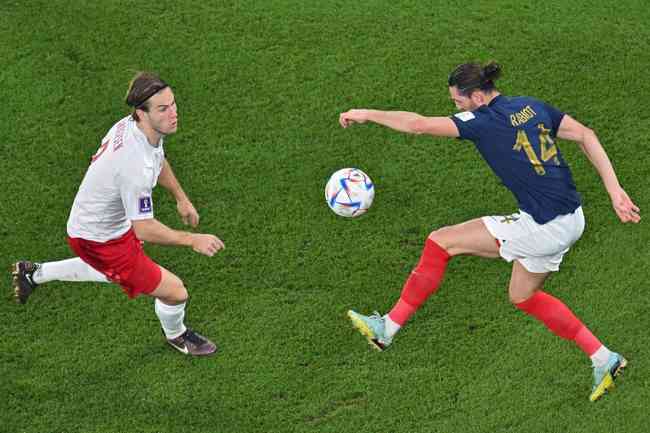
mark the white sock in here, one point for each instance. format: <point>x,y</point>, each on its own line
<point>600,357</point>
<point>171,318</point>
<point>68,270</point>
<point>390,327</point>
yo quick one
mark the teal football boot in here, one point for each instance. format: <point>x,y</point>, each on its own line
<point>372,327</point>
<point>604,376</point>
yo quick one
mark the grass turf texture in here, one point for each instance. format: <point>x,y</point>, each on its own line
<point>259,87</point>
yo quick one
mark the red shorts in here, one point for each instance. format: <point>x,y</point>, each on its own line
<point>122,260</point>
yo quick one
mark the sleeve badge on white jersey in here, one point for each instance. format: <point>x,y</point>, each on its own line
<point>145,205</point>
<point>465,116</point>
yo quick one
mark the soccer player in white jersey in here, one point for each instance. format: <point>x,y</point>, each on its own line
<point>112,216</point>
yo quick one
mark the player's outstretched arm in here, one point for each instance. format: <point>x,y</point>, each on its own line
<point>403,121</point>
<point>571,129</point>
<point>183,204</point>
<point>152,230</point>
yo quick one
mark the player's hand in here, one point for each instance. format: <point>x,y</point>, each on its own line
<point>353,116</point>
<point>188,213</point>
<point>207,245</point>
<point>626,210</point>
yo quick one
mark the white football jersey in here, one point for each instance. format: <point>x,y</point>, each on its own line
<point>118,184</point>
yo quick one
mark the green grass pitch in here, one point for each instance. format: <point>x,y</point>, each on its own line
<point>259,86</point>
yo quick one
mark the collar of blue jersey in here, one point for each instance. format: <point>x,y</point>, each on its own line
<point>495,100</point>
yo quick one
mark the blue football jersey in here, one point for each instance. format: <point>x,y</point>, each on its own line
<point>516,137</point>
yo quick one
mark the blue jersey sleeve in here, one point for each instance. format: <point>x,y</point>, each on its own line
<point>556,117</point>
<point>469,124</point>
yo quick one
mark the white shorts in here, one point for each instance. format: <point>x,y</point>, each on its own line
<point>538,247</point>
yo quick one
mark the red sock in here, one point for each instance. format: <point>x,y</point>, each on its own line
<point>423,281</point>
<point>560,320</point>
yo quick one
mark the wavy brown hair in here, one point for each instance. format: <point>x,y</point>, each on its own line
<point>142,87</point>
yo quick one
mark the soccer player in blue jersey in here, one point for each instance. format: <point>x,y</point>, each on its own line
<point>516,137</point>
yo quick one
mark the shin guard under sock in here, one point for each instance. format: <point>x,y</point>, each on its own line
<point>423,281</point>
<point>560,320</point>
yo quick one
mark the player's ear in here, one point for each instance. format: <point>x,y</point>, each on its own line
<point>140,113</point>
<point>478,98</point>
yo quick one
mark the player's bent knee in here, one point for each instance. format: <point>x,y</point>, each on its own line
<point>179,293</point>
<point>443,237</point>
<point>176,297</point>
<point>518,296</point>
<point>171,291</point>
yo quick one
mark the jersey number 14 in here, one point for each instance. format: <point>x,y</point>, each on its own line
<point>546,144</point>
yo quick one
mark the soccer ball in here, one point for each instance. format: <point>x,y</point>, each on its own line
<point>349,192</point>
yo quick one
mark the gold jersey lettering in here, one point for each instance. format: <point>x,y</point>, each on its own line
<point>547,145</point>
<point>523,143</point>
<point>523,116</point>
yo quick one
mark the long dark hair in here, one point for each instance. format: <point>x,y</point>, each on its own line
<point>469,77</point>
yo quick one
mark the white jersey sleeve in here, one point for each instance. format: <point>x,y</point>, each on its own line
<point>136,188</point>
<point>137,176</point>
